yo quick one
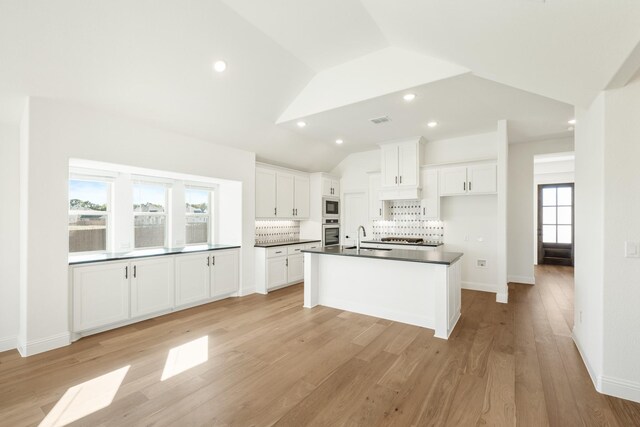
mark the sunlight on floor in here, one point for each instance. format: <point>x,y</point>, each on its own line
<point>186,356</point>
<point>86,398</point>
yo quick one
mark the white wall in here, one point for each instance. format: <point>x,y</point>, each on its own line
<point>621,336</point>
<point>589,236</point>
<point>9,234</point>
<point>58,132</point>
<point>520,211</point>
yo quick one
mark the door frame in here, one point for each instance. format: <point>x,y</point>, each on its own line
<point>540,257</point>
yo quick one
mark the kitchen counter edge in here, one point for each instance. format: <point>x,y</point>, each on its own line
<point>90,259</point>
<point>427,257</point>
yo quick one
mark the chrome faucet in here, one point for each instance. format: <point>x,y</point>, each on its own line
<point>364,234</point>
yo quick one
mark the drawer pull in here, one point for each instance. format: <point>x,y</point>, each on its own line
<point>278,252</point>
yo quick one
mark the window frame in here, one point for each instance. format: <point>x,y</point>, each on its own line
<point>74,176</point>
<point>209,214</point>
<point>167,212</point>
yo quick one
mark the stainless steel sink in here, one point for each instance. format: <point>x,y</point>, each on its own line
<point>368,249</point>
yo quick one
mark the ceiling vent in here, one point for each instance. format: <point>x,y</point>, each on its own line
<point>380,120</point>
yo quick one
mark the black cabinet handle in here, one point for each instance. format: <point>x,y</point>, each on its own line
<point>464,186</point>
<point>275,211</point>
<point>469,185</point>
<point>135,271</point>
<point>207,261</point>
<point>424,211</point>
<point>213,260</point>
<point>400,179</point>
<point>126,272</point>
<point>396,179</point>
<point>287,262</point>
<point>381,211</point>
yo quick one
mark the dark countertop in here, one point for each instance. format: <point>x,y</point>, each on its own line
<point>429,257</point>
<point>144,253</point>
<point>287,243</point>
<point>380,242</point>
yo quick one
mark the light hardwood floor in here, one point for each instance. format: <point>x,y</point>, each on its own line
<point>272,362</point>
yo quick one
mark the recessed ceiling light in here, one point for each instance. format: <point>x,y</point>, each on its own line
<point>572,121</point>
<point>219,66</point>
<point>339,141</point>
<point>432,124</point>
<point>409,97</point>
<point>301,124</point>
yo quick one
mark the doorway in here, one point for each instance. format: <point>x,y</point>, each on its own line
<point>555,224</point>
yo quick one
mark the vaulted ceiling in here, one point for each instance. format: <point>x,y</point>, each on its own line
<point>526,60</point>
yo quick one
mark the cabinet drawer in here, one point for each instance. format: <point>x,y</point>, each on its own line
<point>313,245</point>
<point>277,251</point>
<point>292,250</point>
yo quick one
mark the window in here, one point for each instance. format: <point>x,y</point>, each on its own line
<point>198,216</point>
<point>89,215</point>
<point>149,215</point>
<point>557,214</point>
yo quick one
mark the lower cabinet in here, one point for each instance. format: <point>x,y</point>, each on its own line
<point>115,293</point>
<point>280,266</point>
<point>151,286</point>
<point>100,295</point>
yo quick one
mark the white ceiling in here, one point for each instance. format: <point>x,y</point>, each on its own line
<point>461,105</point>
<point>321,34</point>
<point>152,61</point>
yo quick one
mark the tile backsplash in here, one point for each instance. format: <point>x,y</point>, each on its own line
<point>404,219</point>
<point>277,231</point>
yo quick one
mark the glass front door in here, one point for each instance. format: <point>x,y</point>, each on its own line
<point>555,224</point>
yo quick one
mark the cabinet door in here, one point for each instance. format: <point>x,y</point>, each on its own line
<point>284,195</point>
<point>408,164</point>
<point>482,179</point>
<point>100,295</point>
<point>152,287</point>
<point>375,204</point>
<point>430,204</point>
<point>296,268</point>
<point>453,181</point>
<point>192,278</point>
<point>389,165</point>
<point>335,184</point>
<point>225,273</point>
<point>265,193</point>
<point>327,187</point>
<point>301,198</point>
<point>276,272</point>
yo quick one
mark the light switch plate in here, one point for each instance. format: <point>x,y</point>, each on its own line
<point>631,249</point>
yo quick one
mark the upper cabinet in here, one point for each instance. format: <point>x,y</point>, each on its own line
<point>430,203</point>
<point>281,194</point>
<point>472,179</point>
<point>400,164</point>
<point>330,187</point>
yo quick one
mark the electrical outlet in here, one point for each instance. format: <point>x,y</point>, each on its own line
<point>481,263</point>
<point>631,249</point>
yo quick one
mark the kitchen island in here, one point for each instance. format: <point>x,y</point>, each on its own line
<point>416,287</point>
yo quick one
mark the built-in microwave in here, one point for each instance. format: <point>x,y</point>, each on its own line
<point>330,207</point>
<point>330,234</point>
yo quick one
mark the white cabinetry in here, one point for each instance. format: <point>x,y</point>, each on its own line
<point>265,193</point>
<point>400,170</point>
<point>376,206</point>
<point>152,287</point>
<point>280,266</point>
<point>224,273</point>
<point>100,295</point>
<point>281,194</point>
<point>330,186</point>
<point>192,278</point>
<point>472,179</point>
<point>430,203</point>
<point>112,294</point>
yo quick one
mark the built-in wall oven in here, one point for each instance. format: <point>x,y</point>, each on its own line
<point>330,232</point>
<point>331,207</point>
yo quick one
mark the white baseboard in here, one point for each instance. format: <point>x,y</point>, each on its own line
<point>502,297</point>
<point>45,344</point>
<point>617,387</point>
<point>527,280</point>
<point>247,291</point>
<point>475,286</point>
<point>8,343</point>
<point>595,379</point>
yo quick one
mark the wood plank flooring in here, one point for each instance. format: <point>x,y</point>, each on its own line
<point>271,362</point>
